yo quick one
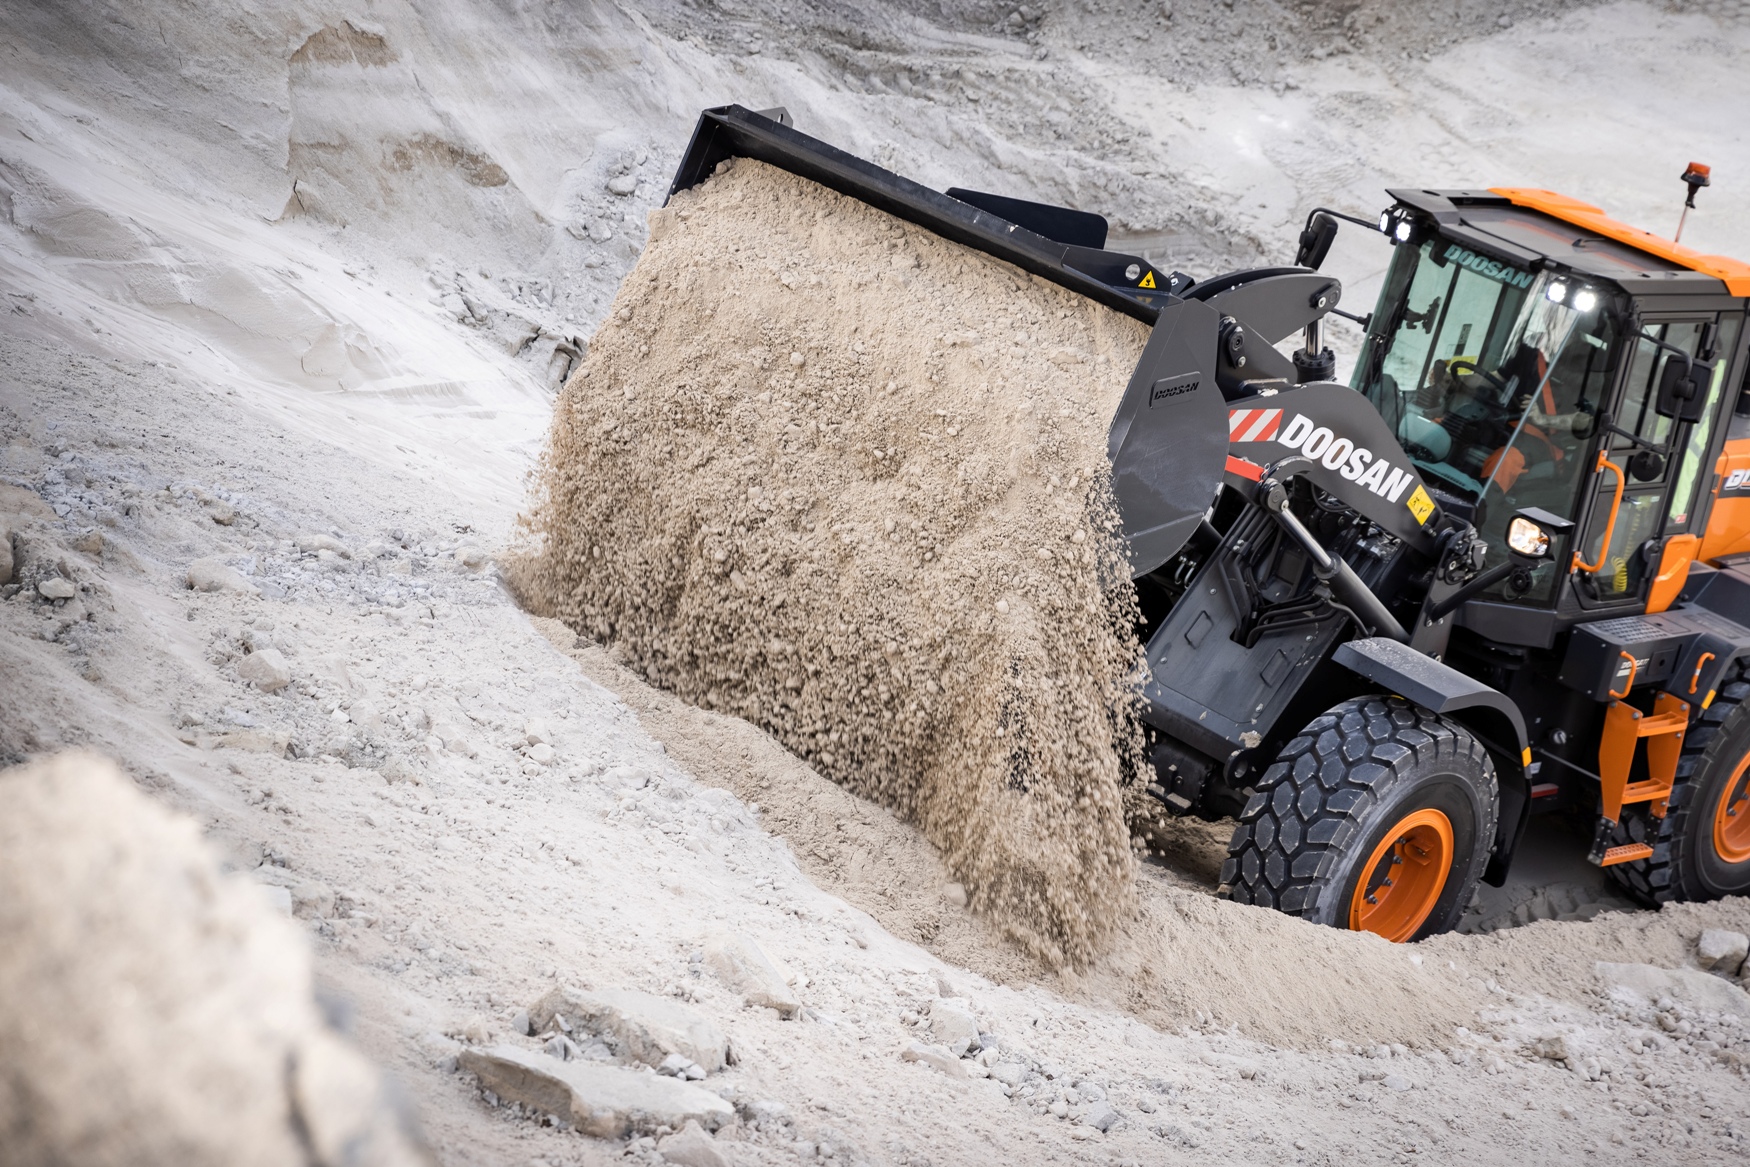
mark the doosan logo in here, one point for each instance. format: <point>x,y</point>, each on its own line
<point>1355,463</point>
<point>1484,266</point>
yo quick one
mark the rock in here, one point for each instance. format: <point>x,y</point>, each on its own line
<point>643,1027</point>
<point>400,770</point>
<point>1721,951</point>
<point>89,542</point>
<point>316,542</point>
<point>955,893</point>
<point>692,1147</point>
<point>605,1102</point>
<point>741,965</point>
<point>280,898</point>
<point>312,899</point>
<point>454,740</point>
<point>953,1025</point>
<point>56,588</point>
<point>681,1066</point>
<point>265,739</point>
<point>222,513</point>
<point>623,184</point>
<point>267,670</point>
<point>1396,1082</point>
<point>471,558</point>
<point>1010,1074</point>
<point>541,754</point>
<point>1100,1115</point>
<point>1684,985</point>
<point>536,733</point>
<point>935,1057</point>
<point>209,575</point>
<point>212,1048</point>
<point>1554,1048</point>
<point>7,564</point>
<point>520,1023</point>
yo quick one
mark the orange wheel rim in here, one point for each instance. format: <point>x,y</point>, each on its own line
<point>1403,878</point>
<point>1732,817</point>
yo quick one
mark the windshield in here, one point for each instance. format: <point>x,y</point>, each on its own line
<point>1491,385</point>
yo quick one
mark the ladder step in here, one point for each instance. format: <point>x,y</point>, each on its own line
<point>1626,853</point>
<point>1661,723</point>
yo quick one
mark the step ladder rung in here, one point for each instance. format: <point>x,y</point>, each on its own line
<point>1625,853</point>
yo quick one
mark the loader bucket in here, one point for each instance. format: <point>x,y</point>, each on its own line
<point>1168,439</point>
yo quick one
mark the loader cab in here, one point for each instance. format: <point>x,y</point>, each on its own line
<point>1522,362</point>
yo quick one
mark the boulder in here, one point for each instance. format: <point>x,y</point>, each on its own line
<point>1686,985</point>
<point>210,575</point>
<point>953,1025</point>
<point>741,965</point>
<point>642,1026</point>
<point>606,1102</point>
<point>692,1147</point>
<point>268,670</point>
<point>1722,951</point>
<point>935,1057</point>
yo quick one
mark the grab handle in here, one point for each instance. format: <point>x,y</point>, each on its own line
<point>1604,463</point>
<point>1627,685</point>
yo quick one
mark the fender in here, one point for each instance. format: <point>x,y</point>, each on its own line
<point>1352,452</point>
<point>1490,713</point>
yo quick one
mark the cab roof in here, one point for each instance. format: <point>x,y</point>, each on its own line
<point>1526,224</point>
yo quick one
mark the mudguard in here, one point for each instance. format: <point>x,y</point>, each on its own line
<point>1352,451</point>
<point>1168,441</point>
<point>1487,712</point>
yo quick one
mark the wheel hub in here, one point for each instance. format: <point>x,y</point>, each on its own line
<point>1404,876</point>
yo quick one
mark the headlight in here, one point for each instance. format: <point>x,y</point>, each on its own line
<point>1385,222</point>
<point>1404,230</point>
<point>1526,538</point>
<point>1585,300</point>
<point>1558,292</point>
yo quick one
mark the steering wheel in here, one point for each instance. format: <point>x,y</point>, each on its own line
<point>1453,366</point>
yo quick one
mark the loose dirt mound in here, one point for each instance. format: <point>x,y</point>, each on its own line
<point>830,473</point>
<point>152,1011</point>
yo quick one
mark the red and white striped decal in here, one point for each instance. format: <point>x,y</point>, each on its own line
<point>1253,425</point>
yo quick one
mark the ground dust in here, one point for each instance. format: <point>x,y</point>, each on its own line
<point>827,472</point>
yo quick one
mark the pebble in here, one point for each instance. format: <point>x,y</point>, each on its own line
<point>604,1102</point>
<point>1396,1082</point>
<point>955,893</point>
<point>471,558</point>
<point>222,513</point>
<point>56,588</point>
<point>268,671</point>
<point>542,754</point>
<point>316,542</point>
<point>623,184</point>
<point>1100,1115</point>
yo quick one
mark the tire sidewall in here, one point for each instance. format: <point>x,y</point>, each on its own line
<point>1704,873</point>
<point>1442,787</point>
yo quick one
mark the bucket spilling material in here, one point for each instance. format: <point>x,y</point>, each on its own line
<point>831,473</point>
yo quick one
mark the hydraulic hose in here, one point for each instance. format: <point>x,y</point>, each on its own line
<point>1342,578</point>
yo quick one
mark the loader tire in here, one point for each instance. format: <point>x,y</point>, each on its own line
<point>1374,790</point>
<point>1701,848</point>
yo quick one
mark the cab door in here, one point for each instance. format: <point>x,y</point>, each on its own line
<point>1661,464</point>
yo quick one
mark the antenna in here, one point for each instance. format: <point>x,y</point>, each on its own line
<point>1696,176</point>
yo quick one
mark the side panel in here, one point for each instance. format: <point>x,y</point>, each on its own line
<point>1728,522</point>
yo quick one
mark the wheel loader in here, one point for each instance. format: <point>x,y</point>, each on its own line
<point>1504,571</point>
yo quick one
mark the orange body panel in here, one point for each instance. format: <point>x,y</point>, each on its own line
<point>1673,571</point>
<point>1728,523</point>
<point>1734,272</point>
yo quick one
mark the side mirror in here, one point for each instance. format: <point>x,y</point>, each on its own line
<point>1532,534</point>
<point>1683,389</point>
<point>1315,241</point>
<point>1646,465</point>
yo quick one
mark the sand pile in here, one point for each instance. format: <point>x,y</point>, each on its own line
<point>830,473</point>
<point>153,1011</point>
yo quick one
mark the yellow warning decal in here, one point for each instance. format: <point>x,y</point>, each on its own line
<point>1527,755</point>
<point>1420,505</point>
<point>1148,281</point>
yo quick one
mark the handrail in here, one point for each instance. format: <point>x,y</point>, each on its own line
<point>1604,463</point>
<point>1629,657</point>
<point>1699,665</point>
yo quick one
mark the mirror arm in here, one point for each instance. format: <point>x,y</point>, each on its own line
<point>1639,441</point>
<point>1688,361</point>
<point>1370,225</point>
